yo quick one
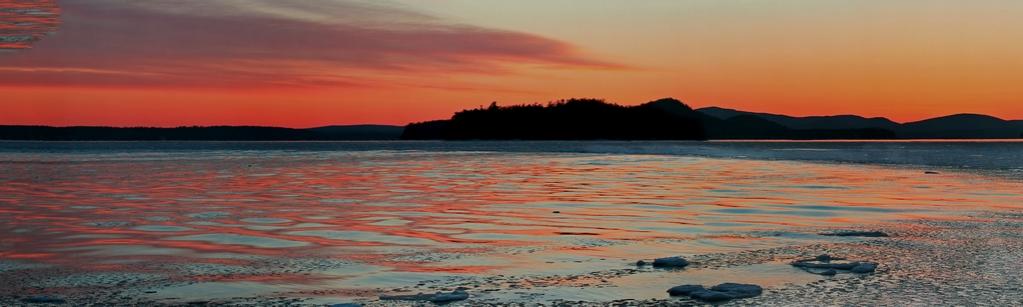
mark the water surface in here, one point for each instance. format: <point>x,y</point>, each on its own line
<point>341,220</point>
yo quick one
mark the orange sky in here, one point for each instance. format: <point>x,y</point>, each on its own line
<point>303,63</point>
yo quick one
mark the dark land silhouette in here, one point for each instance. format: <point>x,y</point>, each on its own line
<point>587,119</point>
<point>571,119</point>
<point>216,133</point>
<point>755,127</point>
<point>959,126</point>
<point>809,122</point>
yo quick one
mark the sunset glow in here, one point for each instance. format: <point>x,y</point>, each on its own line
<point>299,63</point>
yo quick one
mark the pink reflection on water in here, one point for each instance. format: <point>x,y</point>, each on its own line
<point>410,212</point>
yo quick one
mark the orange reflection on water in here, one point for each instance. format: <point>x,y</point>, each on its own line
<point>356,215</point>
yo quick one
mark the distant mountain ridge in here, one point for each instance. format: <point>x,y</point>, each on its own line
<point>809,122</point>
<point>963,126</point>
<point>958,126</point>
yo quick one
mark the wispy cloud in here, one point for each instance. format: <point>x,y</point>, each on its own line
<point>23,22</point>
<point>228,43</point>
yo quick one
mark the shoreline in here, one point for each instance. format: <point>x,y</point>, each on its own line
<point>906,140</point>
<point>960,163</point>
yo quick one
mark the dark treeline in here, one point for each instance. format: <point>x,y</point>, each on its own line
<point>587,119</point>
<point>572,119</point>
<point>215,133</point>
<point>146,133</point>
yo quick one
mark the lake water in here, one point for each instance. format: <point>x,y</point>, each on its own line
<point>337,221</point>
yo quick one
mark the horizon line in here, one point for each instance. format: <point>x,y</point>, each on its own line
<point>406,124</point>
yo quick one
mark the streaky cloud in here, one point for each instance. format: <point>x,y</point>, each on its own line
<point>24,22</point>
<point>231,43</point>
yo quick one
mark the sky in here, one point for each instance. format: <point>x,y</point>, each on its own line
<point>307,63</point>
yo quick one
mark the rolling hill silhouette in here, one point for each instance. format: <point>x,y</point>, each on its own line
<point>749,126</point>
<point>958,126</point>
<point>963,126</point>
<point>809,122</point>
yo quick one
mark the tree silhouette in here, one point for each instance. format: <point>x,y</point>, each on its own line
<point>571,119</point>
